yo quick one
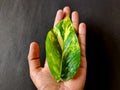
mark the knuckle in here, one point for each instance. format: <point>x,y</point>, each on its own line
<point>31,74</point>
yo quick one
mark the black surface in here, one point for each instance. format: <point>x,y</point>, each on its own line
<point>24,21</point>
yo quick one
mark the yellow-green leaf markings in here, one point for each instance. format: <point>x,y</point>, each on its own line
<point>63,50</point>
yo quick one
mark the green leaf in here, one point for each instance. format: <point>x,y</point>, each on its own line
<point>63,50</point>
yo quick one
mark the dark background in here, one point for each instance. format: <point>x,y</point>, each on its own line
<point>24,21</point>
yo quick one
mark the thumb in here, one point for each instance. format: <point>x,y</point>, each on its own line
<point>34,57</point>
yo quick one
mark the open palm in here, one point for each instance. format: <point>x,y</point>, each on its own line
<point>42,77</point>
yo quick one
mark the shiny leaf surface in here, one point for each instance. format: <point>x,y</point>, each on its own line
<point>63,50</point>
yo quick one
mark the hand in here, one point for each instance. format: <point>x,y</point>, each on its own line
<point>42,77</point>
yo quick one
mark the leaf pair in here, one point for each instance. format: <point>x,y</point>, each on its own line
<point>63,50</point>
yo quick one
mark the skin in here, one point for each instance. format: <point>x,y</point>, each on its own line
<point>42,77</point>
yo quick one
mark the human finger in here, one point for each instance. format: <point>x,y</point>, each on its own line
<point>34,57</point>
<point>66,11</point>
<point>75,20</point>
<point>82,38</point>
<point>59,16</point>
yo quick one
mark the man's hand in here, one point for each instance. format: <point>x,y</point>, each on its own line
<point>42,77</point>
